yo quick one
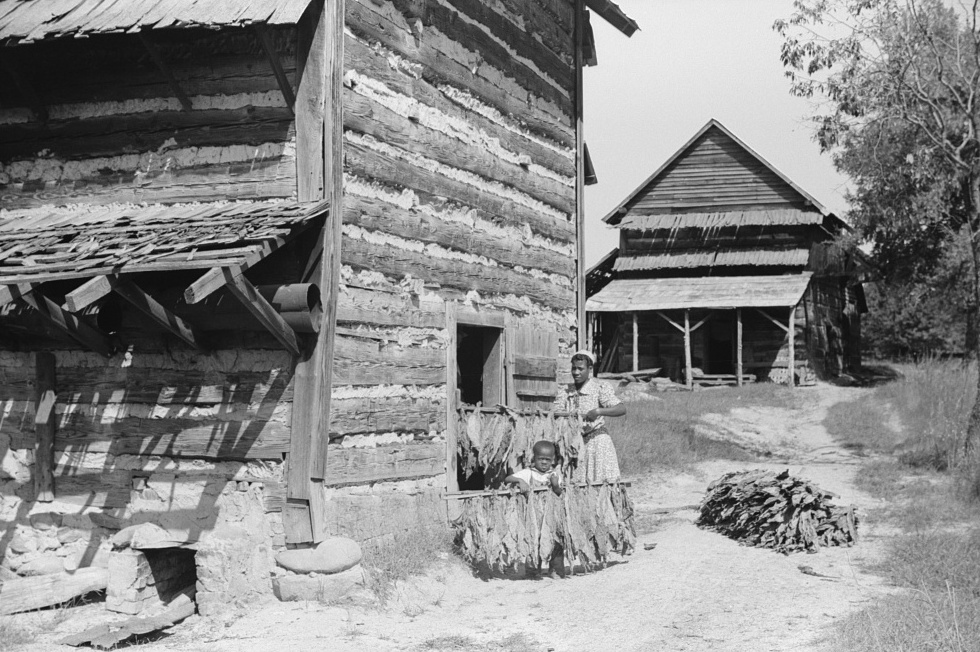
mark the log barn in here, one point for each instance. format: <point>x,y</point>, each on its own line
<point>257,256</point>
<point>726,271</point>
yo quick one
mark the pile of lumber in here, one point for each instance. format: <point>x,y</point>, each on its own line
<point>502,529</point>
<point>787,514</point>
<point>497,441</point>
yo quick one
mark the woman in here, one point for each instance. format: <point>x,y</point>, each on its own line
<point>593,400</point>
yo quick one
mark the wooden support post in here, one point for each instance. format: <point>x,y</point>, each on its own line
<point>636,342</point>
<point>10,292</point>
<point>738,346</point>
<point>164,69</point>
<point>452,380</point>
<point>87,293</point>
<point>262,310</point>
<point>153,309</point>
<point>262,31</point>
<point>579,177</point>
<point>45,395</point>
<point>688,375</point>
<point>214,279</point>
<point>791,381</point>
<point>78,330</point>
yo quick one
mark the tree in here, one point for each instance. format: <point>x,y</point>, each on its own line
<point>901,77</point>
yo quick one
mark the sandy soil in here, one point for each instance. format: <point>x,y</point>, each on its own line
<point>694,590</point>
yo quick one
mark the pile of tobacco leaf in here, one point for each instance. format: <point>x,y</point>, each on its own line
<point>500,442</point>
<point>504,529</point>
<point>787,514</point>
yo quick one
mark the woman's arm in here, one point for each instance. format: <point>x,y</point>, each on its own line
<point>617,410</point>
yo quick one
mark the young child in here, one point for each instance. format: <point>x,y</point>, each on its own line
<point>542,473</point>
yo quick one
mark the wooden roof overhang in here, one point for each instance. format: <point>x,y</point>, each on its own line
<point>27,21</point>
<point>101,248</point>
<point>706,292</point>
<point>755,257</point>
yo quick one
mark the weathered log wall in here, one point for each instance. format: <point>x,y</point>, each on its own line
<point>459,148</point>
<point>116,131</point>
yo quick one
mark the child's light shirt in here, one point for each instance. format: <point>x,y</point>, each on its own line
<point>535,478</point>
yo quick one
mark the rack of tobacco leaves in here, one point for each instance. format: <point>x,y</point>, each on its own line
<point>496,441</point>
<point>502,529</point>
<point>787,514</point>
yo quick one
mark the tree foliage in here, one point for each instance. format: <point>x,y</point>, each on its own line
<point>900,80</point>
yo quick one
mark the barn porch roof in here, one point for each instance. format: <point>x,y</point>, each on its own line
<point>717,292</point>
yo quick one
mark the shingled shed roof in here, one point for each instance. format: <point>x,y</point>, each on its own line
<point>47,244</point>
<point>24,21</point>
<point>700,292</point>
<point>720,220</point>
<point>722,258</point>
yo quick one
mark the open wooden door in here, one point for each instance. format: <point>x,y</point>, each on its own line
<point>532,367</point>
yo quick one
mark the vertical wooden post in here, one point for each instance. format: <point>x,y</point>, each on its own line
<point>579,179</point>
<point>452,482</point>
<point>319,164</point>
<point>738,346</point>
<point>636,343</point>
<point>689,375</point>
<point>44,424</point>
<point>792,347</point>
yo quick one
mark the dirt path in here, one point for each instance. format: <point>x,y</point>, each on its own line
<point>695,590</point>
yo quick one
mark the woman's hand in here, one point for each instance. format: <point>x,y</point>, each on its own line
<point>592,414</point>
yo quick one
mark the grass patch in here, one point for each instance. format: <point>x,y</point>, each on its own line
<point>660,435</point>
<point>917,426</point>
<point>408,553</point>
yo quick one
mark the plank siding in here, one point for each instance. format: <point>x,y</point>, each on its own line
<point>715,174</point>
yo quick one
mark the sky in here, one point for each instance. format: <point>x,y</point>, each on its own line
<point>693,60</point>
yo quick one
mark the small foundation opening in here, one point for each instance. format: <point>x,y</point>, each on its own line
<point>144,580</point>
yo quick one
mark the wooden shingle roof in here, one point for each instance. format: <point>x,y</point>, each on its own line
<point>793,257</point>
<point>722,219</point>
<point>44,244</point>
<point>25,21</point>
<point>718,292</point>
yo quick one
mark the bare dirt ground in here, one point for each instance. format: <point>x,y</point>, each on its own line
<point>695,590</point>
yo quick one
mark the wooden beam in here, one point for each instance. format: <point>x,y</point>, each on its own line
<point>670,321</point>
<point>13,291</point>
<point>689,374</point>
<point>214,279</point>
<point>579,178</point>
<point>72,326</point>
<point>700,323</point>
<point>773,319</point>
<point>262,31</point>
<point>636,342</point>
<point>791,381</point>
<point>164,69</point>
<point>510,338</point>
<point>332,72</point>
<point>157,312</point>
<point>45,395</point>
<point>296,520</point>
<point>30,593</point>
<point>262,310</point>
<point>738,347</point>
<point>452,380</point>
<point>87,293</point>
